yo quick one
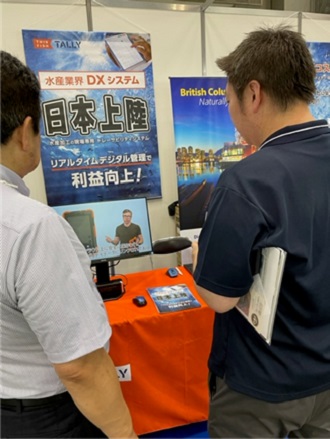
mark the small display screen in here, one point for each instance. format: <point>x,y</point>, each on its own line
<point>111,230</point>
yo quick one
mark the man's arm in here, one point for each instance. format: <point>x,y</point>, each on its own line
<point>93,384</point>
<point>140,239</point>
<point>219,303</point>
<point>114,241</point>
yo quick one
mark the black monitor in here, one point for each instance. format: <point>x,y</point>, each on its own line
<point>110,231</point>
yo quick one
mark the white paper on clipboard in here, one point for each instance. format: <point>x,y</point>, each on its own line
<point>259,305</point>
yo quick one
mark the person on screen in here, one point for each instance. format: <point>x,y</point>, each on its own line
<point>57,378</point>
<point>277,197</point>
<point>128,234</point>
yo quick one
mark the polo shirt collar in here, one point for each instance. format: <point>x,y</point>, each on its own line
<point>299,132</point>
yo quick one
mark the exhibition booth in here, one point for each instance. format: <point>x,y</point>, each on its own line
<point>160,354</point>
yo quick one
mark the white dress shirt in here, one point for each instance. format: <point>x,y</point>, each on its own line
<point>51,311</point>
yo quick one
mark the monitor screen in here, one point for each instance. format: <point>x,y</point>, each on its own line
<point>110,230</point>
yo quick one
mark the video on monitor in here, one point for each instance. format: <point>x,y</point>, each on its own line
<point>111,230</point>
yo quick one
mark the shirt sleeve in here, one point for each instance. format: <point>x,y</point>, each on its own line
<point>55,290</point>
<point>226,242</point>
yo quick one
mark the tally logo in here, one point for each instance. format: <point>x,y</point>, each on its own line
<point>66,44</point>
<point>124,372</point>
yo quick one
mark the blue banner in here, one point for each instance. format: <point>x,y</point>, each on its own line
<point>99,134</point>
<point>207,143</point>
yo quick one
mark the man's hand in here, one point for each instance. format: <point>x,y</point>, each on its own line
<point>194,246</point>
<point>142,46</point>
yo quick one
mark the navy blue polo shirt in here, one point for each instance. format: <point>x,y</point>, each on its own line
<point>279,196</point>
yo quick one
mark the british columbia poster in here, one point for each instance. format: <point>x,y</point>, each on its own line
<point>98,129</point>
<point>206,141</point>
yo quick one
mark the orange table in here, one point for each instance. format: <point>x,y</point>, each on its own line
<point>161,358</point>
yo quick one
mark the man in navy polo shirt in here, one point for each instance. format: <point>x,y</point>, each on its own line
<point>277,197</point>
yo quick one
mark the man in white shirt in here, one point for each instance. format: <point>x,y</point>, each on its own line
<point>56,377</point>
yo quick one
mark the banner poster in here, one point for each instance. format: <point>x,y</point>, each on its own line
<point>321,56</point>
<point>207,143</point>
<point>98,130</point>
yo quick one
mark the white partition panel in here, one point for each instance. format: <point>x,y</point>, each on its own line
<point>226,28</point>
<point>316,27</point>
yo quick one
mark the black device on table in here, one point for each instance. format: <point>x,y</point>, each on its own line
<point>139,301</point>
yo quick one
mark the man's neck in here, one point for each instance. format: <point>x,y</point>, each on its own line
<point>275,121</point>
<point>10,159</point>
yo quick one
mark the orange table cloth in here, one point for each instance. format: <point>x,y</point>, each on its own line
<point>161,358</point>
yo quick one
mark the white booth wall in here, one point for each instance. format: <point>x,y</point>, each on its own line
<point>177,44</point>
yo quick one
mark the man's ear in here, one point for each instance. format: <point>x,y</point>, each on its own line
<point>254,93</point>
<point>26,133</point>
